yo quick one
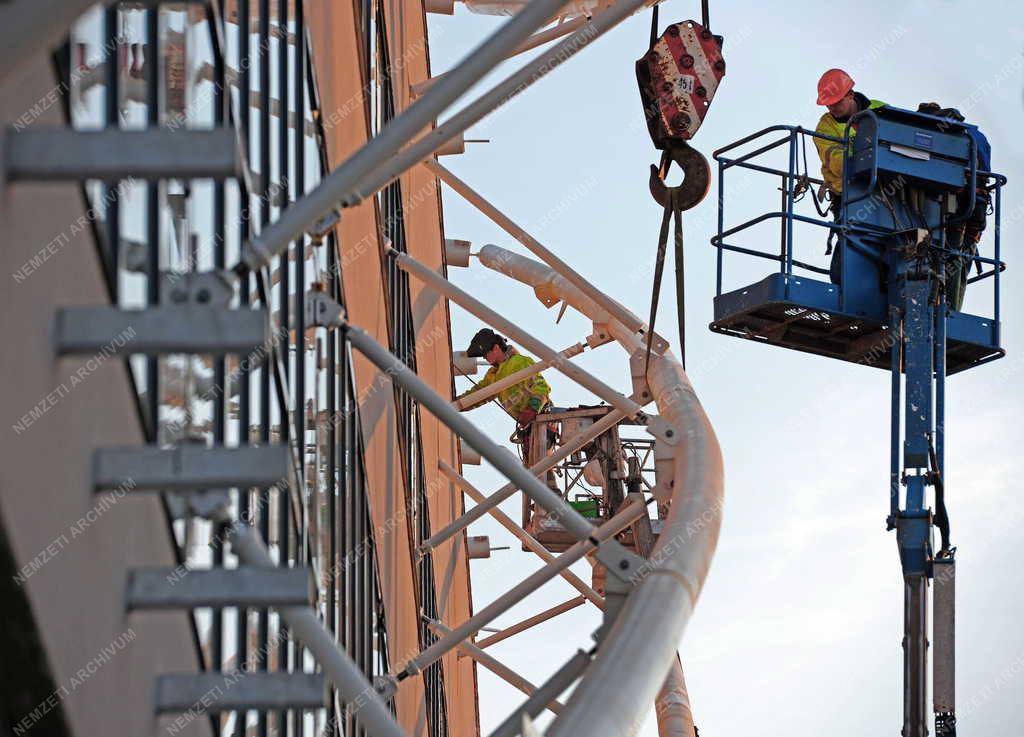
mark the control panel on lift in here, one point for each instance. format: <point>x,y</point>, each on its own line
<point>910,185</point>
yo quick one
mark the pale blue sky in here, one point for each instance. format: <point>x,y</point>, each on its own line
<point>798,629</point>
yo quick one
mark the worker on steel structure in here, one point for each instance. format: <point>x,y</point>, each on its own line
<point>835,91</point>
<point>525,400</point>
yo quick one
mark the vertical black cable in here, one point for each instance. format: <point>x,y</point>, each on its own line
<point>299,93</point>
<point>245,379</point>
<point>332,457</point>
<point>300,244</point>
<point>112,119</point>
<point>367,604</point>
<point>343,492</point>
<point>351,492</point>
<point>263,56</point>
<point>284,300</point>
<point>219,390</point>
<point>152,65</point>
<point>403,344</point>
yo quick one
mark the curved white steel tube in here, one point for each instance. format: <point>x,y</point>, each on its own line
<point>618,689</point>
<point>672,706</point>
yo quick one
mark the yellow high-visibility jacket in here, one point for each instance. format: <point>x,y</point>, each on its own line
<point>532,393</point>
<point>831,153</point>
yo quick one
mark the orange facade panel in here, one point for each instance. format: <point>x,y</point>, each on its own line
<point>424,235</point>
<point>335,35</point>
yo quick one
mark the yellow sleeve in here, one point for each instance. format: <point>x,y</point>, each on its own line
<point>489,378</point>
<point>535,388</point>
<point>831,154</point>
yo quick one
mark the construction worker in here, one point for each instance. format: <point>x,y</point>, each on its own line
<point>835,91</point>
<point>523,400</point>
<point>964,236</point>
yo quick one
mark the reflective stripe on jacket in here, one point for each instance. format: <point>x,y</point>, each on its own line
<point>831,152</point>
<point>531,393</point>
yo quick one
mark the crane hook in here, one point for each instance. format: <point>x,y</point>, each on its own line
<point>696,176</point>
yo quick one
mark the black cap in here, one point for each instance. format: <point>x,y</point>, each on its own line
<point>482,342</point>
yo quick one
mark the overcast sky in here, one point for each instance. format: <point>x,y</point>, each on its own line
<point>798,629</point>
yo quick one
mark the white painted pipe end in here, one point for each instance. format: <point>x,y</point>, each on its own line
<point>456,252</point>
<point>441,7</point>
<point>464,365</point>
<point>469,456</point>
<point>478,546</point>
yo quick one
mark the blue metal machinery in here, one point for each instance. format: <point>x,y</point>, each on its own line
<point>910,184</point>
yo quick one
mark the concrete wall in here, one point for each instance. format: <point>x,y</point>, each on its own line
<point>103,663</point>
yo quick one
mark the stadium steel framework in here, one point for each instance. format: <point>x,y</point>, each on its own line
<point>249,283</point>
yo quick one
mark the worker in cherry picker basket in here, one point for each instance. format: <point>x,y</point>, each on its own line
<point>836,92</point>
<point>523,400</point>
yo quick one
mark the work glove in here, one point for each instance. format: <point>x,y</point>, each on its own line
<point>822,191</point>
<point>526,416</point>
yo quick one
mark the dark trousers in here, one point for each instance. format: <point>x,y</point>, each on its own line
<point>835,269</point>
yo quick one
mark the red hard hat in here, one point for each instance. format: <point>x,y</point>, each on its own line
<point>833,86</point>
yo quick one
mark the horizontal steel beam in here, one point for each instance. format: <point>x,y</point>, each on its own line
<point>569,446</point>
<point>245,586</point>
<point>341,186</point>
<point>529,622</point>
<point>522,535</point>
<point>495,666</point>
<point>61,154</point>
<point>599,298</point>
<point>469,303</point>
<point>481,395</point>
<point>107,331</point>
<point>533,706</point>
<point>189,467</point>
<point>599,537</point>
<point>239,690</point>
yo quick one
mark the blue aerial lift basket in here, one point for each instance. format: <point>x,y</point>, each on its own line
<point>797,306</point>
<point>914,191</point>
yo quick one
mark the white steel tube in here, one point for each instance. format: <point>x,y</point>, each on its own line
<point>606,304</point>
<point>476,307</point>
<point>538,39</point>
<point>522,535</point>
<point>482,395</point>
<point>339,668</point>
<point>566,449</point>
<point>631,665</point>
<point>550,34</point>
<point>339,188</point>
<point>672,707</point>
<point>559,682</point>
<point>495,666</point>
<point>529,622</point>
<point>533,70</point>
<point>499,457</point>
<point>524,588</point>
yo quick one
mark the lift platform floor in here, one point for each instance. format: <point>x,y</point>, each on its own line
<point>807,318</point>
